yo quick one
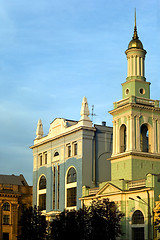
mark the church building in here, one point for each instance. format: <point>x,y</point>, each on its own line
<point>135,160</point>
<point>72,155</point>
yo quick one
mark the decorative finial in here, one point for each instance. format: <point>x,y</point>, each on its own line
<point>85,110</point>
<point>85,120</point>
<point>39,131</point>
<point>135,35</point>
<point>135,18</point>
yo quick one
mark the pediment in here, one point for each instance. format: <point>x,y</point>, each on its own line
<point>57,126</point>
<point>109,188</point>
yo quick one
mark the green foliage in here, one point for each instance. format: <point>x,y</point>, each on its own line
<point>33,225</point>
<point>99,221</point>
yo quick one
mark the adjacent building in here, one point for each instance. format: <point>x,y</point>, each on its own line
<point>73,154</point>
<point>135,160</point>
<point>14,194</point>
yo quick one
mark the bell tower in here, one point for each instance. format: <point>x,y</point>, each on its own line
<point>136,121</point>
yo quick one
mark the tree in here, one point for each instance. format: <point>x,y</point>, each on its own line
<point>99,221</point>
<point>33,225</point>
<point>104,220</point>
<point>69,225</point>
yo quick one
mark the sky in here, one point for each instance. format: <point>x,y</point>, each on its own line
<point>53,53</point>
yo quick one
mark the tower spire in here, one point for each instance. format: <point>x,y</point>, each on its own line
<point>135,18</point>
<point>135,35</point>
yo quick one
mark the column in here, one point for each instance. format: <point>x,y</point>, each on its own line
<point>131,66</point>
<point>153,140</point>
<point>128,121</point>
<point>134,67</point>
<point>142,74</point>
<point>117,138</point>
<point>132,133</point>
<point>138,66</point>
<point>128,67</point>
<point>138,147</point>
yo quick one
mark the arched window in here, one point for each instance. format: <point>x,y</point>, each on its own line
<point>56,154</point>
<point>42,183</point>
<point>71,188</point>
<point>71,176</point>
<point>6,206</point>
<point>145,147</point>
<point>137,217</point>
<point>42,193</point>
<point>123,138</point>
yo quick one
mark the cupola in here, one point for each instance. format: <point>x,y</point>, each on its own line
<point>135,57</point>
<point>136,84</point>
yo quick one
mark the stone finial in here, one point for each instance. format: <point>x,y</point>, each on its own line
<point>39,131</point>
<point>84,110</point>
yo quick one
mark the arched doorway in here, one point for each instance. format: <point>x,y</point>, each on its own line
<point>145,146</point>
<point>123,138</point>
<point>137,225</point>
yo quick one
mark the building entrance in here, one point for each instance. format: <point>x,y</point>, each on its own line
<point>138,233</point>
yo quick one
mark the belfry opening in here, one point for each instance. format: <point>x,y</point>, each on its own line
<point>123,138</point>
<point>145,146</point>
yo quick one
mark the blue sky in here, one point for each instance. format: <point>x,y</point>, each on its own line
<point>53,53</point>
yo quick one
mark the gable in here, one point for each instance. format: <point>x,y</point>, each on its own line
<point>108,188</point>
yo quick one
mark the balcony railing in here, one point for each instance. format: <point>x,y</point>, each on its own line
<point>139,100</point>
<point>137,184</point>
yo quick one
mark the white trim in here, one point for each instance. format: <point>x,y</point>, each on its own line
<point>41,191</point>
<point>70,185</point>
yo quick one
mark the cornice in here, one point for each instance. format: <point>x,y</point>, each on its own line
<point>116,193</point>
<point>135,153</point>
<point>62,135</point>
<point>134,105</point>
<point>12,195</point>
<point>135,80</point>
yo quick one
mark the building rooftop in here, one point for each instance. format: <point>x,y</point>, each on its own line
<point>14,180</point>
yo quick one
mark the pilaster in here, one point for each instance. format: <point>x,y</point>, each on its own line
<point>137,134</point>
<point>114,137</point>
<point>14,220</point>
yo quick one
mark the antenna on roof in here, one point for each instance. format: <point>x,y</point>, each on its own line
<point>92,114</point>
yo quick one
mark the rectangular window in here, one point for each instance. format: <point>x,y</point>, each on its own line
<point>69,151</point>
<point>40,159</point>
<point>5,236</point>
<point>6,219</point>
<point>45,158</point>
<point>58,187</point>
<point>75,148</point>
<point>71,197</point>
<point>54,180</point>
<point>42,202</point>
